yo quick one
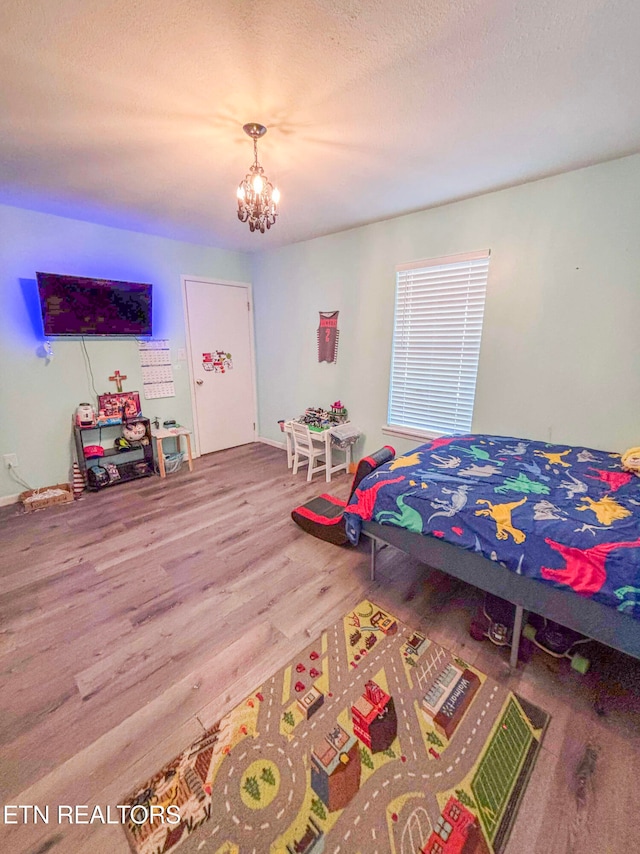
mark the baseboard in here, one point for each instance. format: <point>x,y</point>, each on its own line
<point>272,442</point>
<point>9,499</point>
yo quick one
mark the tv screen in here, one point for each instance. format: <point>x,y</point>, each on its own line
<point>72,305</point>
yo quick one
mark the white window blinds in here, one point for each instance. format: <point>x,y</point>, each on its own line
<point>436,343</point>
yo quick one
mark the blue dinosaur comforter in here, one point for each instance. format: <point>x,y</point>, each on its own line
<point>566,516</point>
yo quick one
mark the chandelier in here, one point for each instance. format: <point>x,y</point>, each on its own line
<point>257,197</point>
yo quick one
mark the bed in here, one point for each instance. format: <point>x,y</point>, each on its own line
<point>553,529</point>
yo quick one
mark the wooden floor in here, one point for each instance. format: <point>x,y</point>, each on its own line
<point>136,617</point>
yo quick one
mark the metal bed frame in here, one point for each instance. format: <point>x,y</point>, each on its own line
<point>597,621</point>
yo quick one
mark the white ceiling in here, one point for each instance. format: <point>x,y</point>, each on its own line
<point>130,112</point>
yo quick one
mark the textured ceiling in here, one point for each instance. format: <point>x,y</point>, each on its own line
<point>130,112</point>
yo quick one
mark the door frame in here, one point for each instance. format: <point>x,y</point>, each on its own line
<point>207,280</point>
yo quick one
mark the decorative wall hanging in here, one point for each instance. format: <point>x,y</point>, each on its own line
<point>117,379</point>
<point>328,335</point>
<point>218,361</point>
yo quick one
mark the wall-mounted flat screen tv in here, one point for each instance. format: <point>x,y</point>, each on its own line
<point>72,305</point>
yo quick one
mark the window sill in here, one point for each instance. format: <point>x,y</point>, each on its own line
<point>410,432</point>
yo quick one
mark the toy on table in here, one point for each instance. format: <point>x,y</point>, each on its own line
<point>338,410</point>
<point>319,419</point>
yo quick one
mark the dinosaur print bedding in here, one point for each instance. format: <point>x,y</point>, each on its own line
<point>565,516</point>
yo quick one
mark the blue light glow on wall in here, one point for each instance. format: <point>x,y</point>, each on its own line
<point>29,289</point>
<point>49,389</point>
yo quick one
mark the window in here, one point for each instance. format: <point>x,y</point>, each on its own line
<point>443,828</point>
<point>436,344</point>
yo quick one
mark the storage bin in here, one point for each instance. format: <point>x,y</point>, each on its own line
<point>39,503</point>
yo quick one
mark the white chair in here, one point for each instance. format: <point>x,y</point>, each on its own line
<point>303,446</point>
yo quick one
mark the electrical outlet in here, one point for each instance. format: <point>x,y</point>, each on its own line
<point>10,461</point>
<point>182,355</point>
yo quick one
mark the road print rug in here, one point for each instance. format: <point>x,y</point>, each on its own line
<point>373,740</point>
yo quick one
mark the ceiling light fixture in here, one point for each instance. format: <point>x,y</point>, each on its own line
<point>257,197</point>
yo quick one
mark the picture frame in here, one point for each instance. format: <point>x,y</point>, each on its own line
<point>123,404</point>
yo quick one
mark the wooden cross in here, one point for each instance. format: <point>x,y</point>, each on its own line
<point>117,379</point>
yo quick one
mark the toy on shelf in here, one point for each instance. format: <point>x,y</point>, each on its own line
<point>104,420</point>
<point>85,415</point>
<point>124,406</point>
<point>135,432</point>
<point>93,451</point>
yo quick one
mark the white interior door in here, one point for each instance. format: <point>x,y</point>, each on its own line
<point>219,333</point>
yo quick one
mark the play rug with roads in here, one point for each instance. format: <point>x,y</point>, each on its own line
<point>374,739</point>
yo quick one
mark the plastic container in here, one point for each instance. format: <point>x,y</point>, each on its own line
<point>172,462</point>
<point>344,435</point>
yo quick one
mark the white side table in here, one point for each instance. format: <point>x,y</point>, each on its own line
<point>171,433</point>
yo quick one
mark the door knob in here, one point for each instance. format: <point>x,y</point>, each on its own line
<point>199,382</point>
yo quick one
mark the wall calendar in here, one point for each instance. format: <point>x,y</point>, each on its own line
<point>157,370</point>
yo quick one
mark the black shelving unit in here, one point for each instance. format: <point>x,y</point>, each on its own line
<point>131,465</point>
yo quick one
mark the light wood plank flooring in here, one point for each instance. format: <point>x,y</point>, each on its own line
<point>136,617</point>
